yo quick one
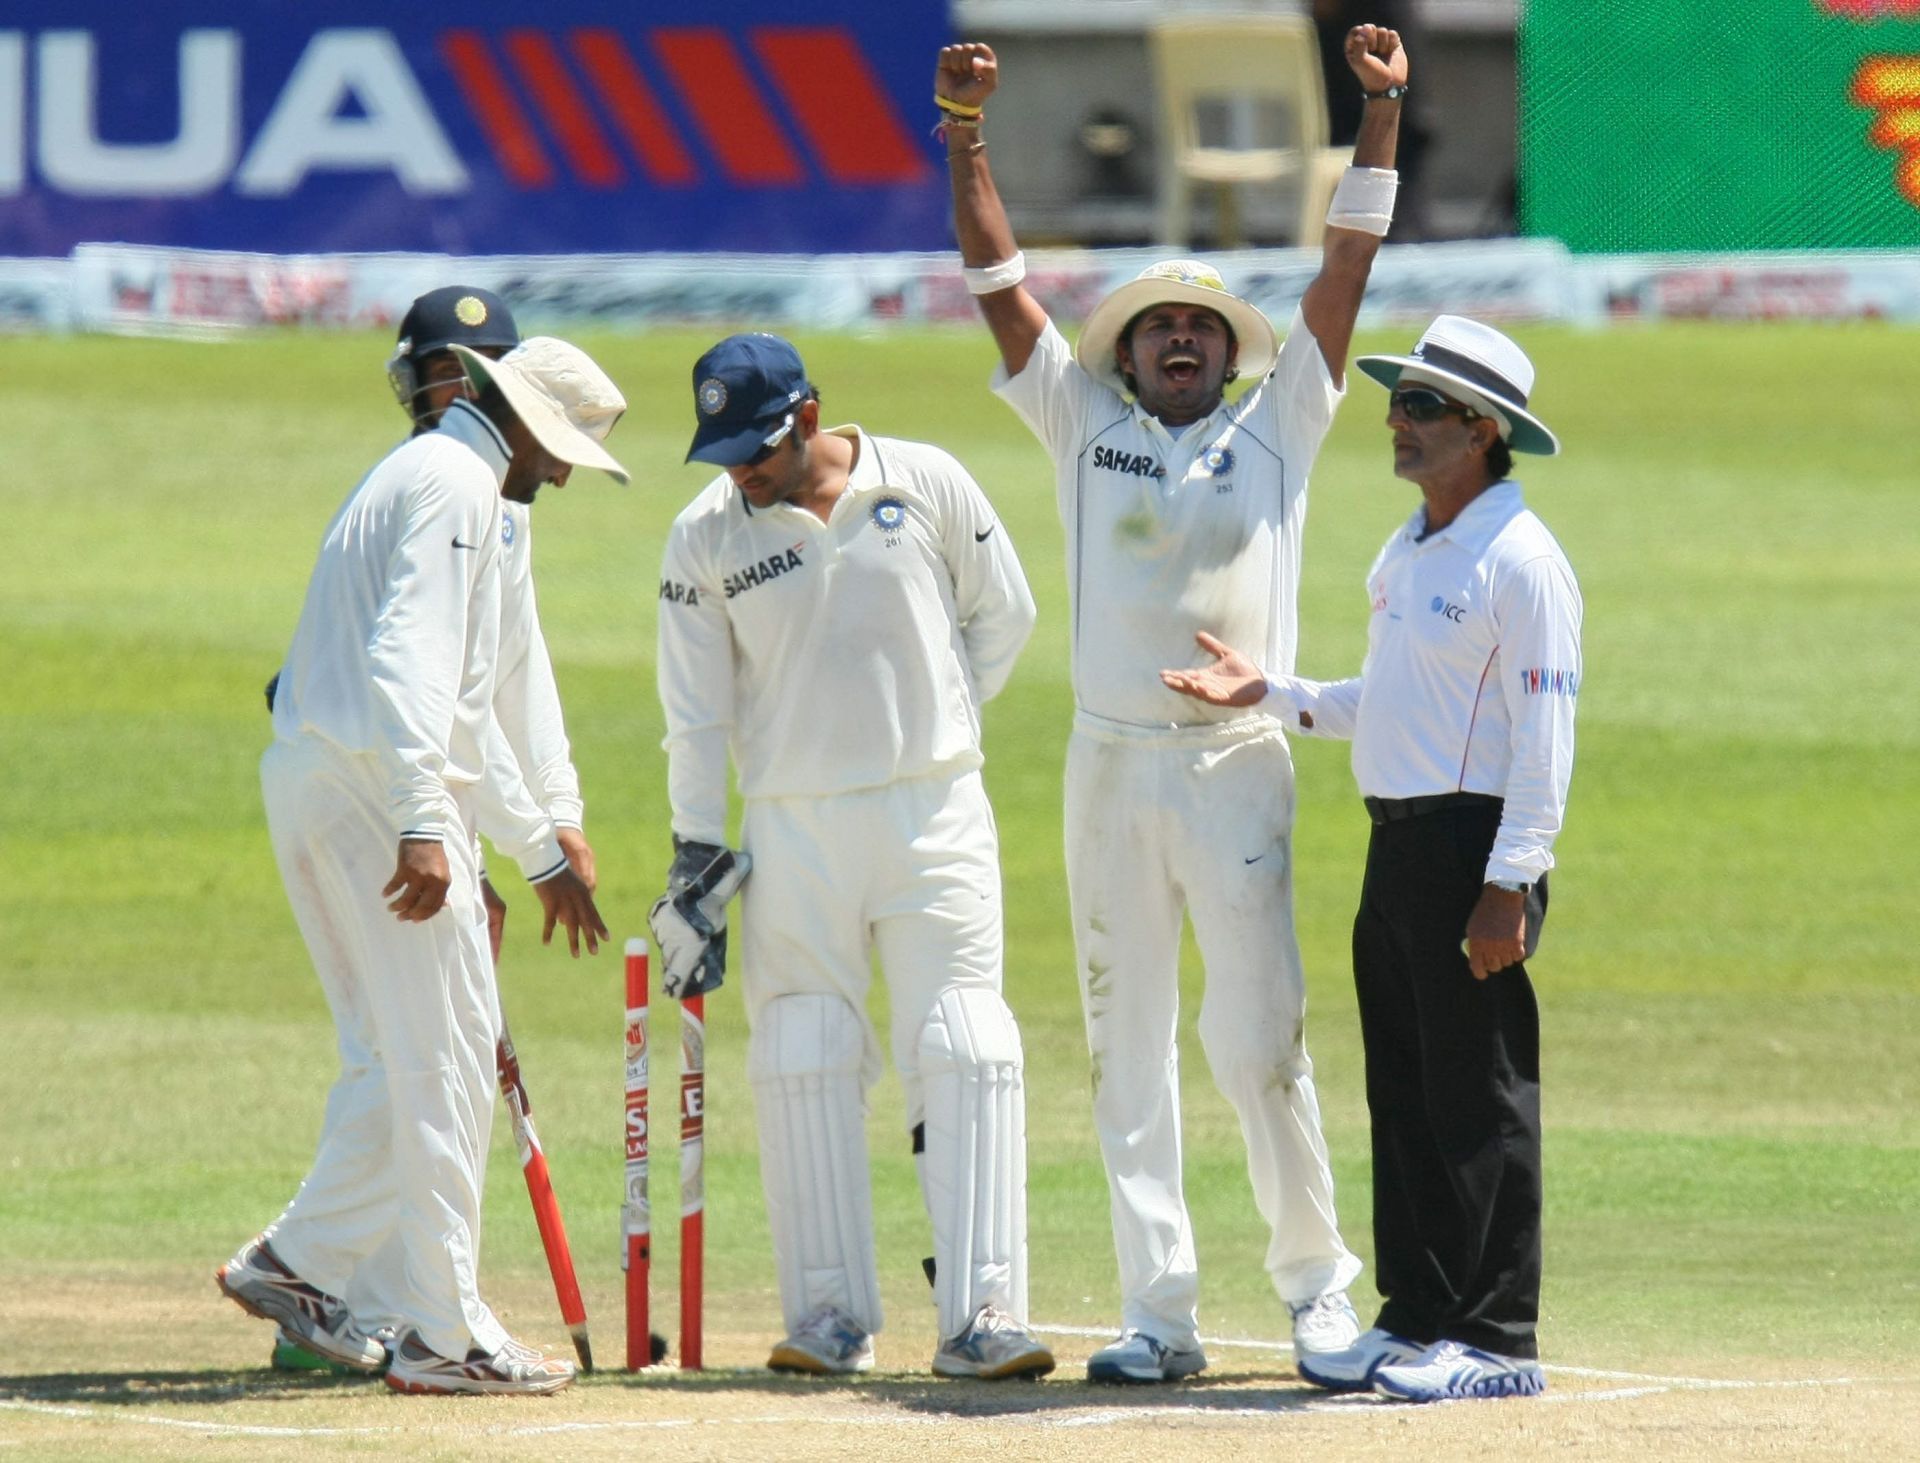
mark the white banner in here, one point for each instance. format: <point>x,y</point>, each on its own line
<point>139,290</point>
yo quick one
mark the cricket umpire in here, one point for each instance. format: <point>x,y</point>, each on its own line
<point>383,725</point>
<point>1462,730</point>
<point>834,609</point>
<point>1184,512</point>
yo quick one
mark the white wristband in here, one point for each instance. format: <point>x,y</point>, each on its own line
<point>995,277</point>
<point>1364,201</point>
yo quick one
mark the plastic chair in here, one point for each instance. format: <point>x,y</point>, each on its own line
<point>1242,102</point>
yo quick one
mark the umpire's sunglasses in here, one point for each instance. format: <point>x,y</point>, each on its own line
<point>1422,404</point>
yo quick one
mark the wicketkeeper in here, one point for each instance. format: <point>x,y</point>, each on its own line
<point>834,608</point>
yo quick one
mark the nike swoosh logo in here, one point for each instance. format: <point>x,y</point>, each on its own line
<point>1254,860</point>
<point>458,545</point>
<point>981,538</point>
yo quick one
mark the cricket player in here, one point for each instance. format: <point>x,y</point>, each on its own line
<point>427,375</point>
<point>1462,730</point>
<point>834,608</point>
<point>1184,512</point>
<point>383,723</point>
<point>530,799</point>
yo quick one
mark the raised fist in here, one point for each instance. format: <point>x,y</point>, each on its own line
<point>1377,57</point>
<point>967,74</point>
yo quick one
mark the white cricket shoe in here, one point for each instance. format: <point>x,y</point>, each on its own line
<point>1325,1323</point>
<point>1451,1370</point>
<point>512,1371</point>
<point>1138,1357</point>
<point>1352,1370</point>
<point>827,1342</point>
<point>993,1346</point>
<point>257,1282</point>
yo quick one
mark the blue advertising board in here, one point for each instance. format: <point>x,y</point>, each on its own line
<point>494,126</point>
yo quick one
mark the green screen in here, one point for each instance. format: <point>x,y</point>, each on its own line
<point>1659,125</point>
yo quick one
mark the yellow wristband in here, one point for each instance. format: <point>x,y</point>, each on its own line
<point>959,109</point>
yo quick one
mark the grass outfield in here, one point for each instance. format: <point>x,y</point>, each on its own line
<point>1730,1004</point>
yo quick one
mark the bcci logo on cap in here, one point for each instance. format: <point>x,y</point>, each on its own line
<point>712,396</point>
<point>470,311</point>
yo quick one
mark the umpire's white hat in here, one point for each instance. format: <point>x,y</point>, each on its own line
<point>1480,366</point>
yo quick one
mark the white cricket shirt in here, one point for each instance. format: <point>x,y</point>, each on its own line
<point>1169,536</point>
<point>531,785</point>
<point>1471,677</point>
<point>394,653</point>
<point>839,655</point>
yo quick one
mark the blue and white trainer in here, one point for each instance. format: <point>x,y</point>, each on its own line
<point>827,1342</point>
<point>1138,1357</point>
<point>993,1347</point>
<point>1324,1324</point>
<point>1450,1370</point>
<point>1352,1370</point>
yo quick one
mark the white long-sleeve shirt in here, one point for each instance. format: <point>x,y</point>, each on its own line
<point>395,649</point>
<point>531,786</point>
<point>1170,535</point>
<point>1471,676</point>
<point>839,655</point>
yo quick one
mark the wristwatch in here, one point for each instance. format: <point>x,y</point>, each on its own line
<point>1391,94</point>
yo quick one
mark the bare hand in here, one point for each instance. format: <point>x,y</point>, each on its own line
<point>1232,679</point>
<point>420,878</point>
<point>567,901</point>
<point>1377,57</point>
<point>1496,931</point>
<point>496,908</point>
<point>573,843</point>
<point>967,74</point>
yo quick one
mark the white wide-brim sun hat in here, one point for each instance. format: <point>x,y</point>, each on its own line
<point>1479,367</point>
<point>1175,281</point>
<point>561,396</point>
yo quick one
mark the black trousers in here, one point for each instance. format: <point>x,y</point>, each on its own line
<point>1453,1090</point>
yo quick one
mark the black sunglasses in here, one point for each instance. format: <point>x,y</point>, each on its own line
<point>1422,404</point>
<point>772,445</point>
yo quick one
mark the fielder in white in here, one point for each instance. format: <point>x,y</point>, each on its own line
<point>427,376</point>
<point>1183,511</point>
<point>384,725</point>
<point>834,608</point>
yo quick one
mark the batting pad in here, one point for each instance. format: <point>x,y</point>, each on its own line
<point>974,1170</point>
<point>804,1061</point>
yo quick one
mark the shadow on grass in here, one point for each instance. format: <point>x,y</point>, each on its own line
<point>1262,1391</point>
<point>909,1393</point>
<point>127,1389</point>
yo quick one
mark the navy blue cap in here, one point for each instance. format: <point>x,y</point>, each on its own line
<point>457,312</point>
<point>743,389</point>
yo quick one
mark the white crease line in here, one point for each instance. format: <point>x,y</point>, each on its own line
<point>92,1414</point>
<point>1598,1374</point>
<point>1359,1404</point>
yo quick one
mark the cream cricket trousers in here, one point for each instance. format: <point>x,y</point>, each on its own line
<point>1197,820</point>
<point>388,1217</point>
<point>909,871</point>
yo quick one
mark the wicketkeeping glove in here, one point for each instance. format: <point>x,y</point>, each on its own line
<point>689,921</point>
